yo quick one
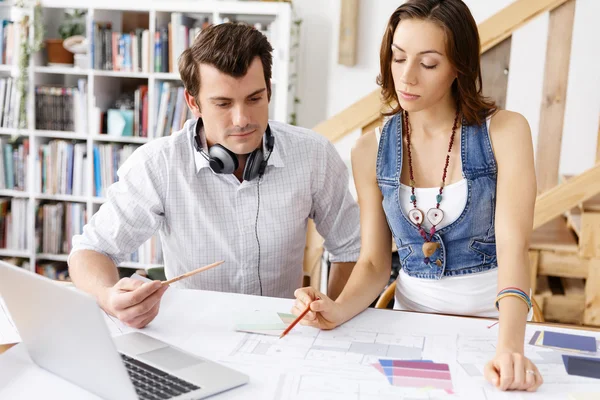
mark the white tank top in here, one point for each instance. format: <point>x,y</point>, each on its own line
<point>470,294</point>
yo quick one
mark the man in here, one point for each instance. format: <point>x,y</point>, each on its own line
<point>229,186</point>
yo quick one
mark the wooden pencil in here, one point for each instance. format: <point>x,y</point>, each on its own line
<point>194,272</point>
<point>298,319</point>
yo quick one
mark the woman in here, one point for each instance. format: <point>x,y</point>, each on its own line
<point>452,179</point>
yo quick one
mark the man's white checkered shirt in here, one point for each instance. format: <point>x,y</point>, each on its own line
<point>203,217</point>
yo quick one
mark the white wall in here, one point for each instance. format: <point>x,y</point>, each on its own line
<point>325,87</point>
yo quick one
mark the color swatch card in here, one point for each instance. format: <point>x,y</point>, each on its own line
<point>582,366</point>
<point>263,323</point>
<point>565,342</point>
<point>417,374</point>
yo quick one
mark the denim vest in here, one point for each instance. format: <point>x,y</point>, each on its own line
<point>468,245</point>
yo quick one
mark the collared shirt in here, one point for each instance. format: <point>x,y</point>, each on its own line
<point>202,217</point>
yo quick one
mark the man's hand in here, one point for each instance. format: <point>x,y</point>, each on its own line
<point>133,302</point>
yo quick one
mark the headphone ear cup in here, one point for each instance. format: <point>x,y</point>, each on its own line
<point>251,170</point>
<point>222,160</point>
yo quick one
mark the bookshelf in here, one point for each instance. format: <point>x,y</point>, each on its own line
<point>48,192</point>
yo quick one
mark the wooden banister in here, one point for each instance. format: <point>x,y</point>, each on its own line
<point>502,24</point>
<point>359,114</point>
<point>566,195</point>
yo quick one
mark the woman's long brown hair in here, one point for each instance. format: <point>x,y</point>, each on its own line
<point>462,49</point>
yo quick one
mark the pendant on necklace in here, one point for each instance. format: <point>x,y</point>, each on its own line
<point>429,248</point>
<point>435,216</point>
<point>416,216</point>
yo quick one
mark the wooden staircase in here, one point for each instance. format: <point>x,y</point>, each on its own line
<point>565,261</point>
<point>565,250</point>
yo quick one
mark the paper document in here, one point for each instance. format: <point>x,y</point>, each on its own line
<point>8,331</point>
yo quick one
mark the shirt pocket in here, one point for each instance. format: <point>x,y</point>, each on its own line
<point>403,253</point>
<point>485,249</point>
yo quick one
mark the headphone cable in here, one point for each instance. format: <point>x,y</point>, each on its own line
<point>256,231</point>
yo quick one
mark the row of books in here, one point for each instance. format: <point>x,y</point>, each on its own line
<point>19,262</point>
<point>54,270</point>
<point>171,40</point>
<point>51,269</point>
<point>56,224</point>
<point>13,223</point>
<point>8,33</point>
<point>9,103</point>
<point>13,164</point>
<point>62,168</point>
<point>171,110</point>
<point>61,108</point>
<point>120,51</point>
<point>108,158</point>
<point>128,117</point>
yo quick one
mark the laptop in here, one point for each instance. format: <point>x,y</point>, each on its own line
<point>65,333</point>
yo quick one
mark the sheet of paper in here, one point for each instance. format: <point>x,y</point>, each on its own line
<point>263,322</point>
<point>584,396</point>
<point>8,331</point>
<point>138,277</point>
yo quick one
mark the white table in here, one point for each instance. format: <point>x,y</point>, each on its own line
<point>316,365</point>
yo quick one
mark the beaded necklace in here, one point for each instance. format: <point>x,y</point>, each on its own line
<point>434,215</point>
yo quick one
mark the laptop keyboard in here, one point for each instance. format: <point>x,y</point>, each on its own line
<point>153,384</point>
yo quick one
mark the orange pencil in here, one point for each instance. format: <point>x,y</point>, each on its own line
<point>194,272</point>
<point>289,328</point>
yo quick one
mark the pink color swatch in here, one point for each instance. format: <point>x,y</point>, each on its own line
<point>418,374</point>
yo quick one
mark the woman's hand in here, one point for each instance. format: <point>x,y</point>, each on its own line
<point>513,371</point>
<point>324,313</point>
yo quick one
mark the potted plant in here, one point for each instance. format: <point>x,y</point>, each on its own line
<point>73,24</point>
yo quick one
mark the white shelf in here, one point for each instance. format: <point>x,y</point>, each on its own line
<point>120,139</point>
<point>167,76</point>
<point>13,132</point>
<point>14,193</point>
<point>121,74</point>
<point>60,135</point>
<point>52,257</point>
<point>14,253</point>
<point>62,197</point>
<point>61,70</point>
<point>104,87</point>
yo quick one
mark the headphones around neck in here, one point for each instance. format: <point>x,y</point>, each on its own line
<point>223,161</point>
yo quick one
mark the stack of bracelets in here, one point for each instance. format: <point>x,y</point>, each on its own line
<point>516,292</point>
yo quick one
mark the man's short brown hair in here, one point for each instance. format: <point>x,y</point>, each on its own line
<point>229,47</point>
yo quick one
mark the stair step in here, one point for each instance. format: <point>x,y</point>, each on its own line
<point>556,236</point>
